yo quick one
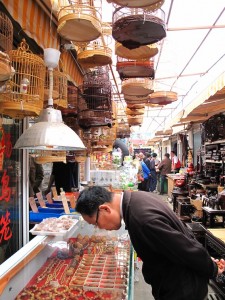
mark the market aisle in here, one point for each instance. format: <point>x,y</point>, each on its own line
<point>142,291</point>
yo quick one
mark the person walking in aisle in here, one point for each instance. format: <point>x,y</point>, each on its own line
<point>153,177</point>
<point>176,165</point>
<point>144,185</point>
<point>164,168</point>
<point>175,264</point>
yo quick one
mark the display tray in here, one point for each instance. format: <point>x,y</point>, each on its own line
<point>55,226</point>
<point>85,267</point>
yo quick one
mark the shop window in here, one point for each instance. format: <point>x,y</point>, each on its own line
<point>10,189</point>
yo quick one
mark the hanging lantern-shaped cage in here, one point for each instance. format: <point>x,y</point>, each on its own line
<point>59,93</point>
<point>137,87</point>
<point>134,120</point>
<point>6,43</point>
<point>151,4</point>
<point>80,21</point>
<point>162,97</point>
<point>24,95</point>
<point>135,27</point>
<point>97,52</point>
<point>142,52</point>
<point>135,68</point>
<point>94,99</point>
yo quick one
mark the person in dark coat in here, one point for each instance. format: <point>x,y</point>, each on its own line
<point>176,265</point>
<point>36,175</point>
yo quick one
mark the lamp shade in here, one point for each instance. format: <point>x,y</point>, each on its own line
<point>50,133</point>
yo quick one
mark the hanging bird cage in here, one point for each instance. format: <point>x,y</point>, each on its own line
<point>80,21</point>
<point>137,87</point>
<point>162,97</point>
<point>49,156</point>
<point>24,95</point>
<point>142,52</point>
<point>59,93</point>
<point>6,43</point>
<point>136,106</point>
<point>97,52</point>
<point>135,68</point>
<point>135,27</point>
<point>134,121</point>
<point>150,4</point>
<point>6,33</point>
<point>94,99</point>
<point>123,130</point>
<point>71,110</point>
<point>136,99</point>
<point>135,111</point>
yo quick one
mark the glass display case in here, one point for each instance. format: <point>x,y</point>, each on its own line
<point>83,263</point>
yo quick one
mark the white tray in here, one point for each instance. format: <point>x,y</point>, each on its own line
<point>54,233</point>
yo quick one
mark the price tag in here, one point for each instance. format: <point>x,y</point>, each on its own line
<point>49,197</point>
<point>65,203</point>
<point>54,193</point>
<point>40,199</point>
<point>33,205</point>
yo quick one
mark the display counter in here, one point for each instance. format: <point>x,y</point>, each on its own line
<point>85,263</point>
<point>172,180</point>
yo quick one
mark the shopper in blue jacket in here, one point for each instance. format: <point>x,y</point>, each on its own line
<point>144,185</point>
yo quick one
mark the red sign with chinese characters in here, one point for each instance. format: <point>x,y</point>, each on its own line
<point>5,194</point>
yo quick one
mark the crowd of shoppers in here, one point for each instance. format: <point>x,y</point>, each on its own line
<point>152,172</point>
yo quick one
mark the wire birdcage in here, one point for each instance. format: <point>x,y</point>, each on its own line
<point>134,27</point>
<point>135,68</point>
<point>59,93</point>
<point>24,94</point>
<point>94,99</point>
<point>6,43</point>
<point>6,33</point>
<point>80,21</point>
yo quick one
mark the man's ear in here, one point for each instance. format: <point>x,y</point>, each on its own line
<point>105,207</point>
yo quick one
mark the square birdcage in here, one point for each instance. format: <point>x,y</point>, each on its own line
<point>24,93</point>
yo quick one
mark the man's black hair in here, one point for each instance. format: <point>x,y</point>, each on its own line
<point>147,154</point>
<point>167,155</point>
<point>91,198</point>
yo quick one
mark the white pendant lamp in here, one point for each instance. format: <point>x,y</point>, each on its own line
<point>50,133</point>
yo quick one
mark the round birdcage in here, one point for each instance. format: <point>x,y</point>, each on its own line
<point>142,52</point>
<point>162,97</point>
<point>80,21</point>
<point>136,99</point>
<point>134,120</point>
<point>24,94</point>
<point>150,4</point>
<point>97,52</point>
<point>135,27</point>
<point>6,33</point>
<point>135,111</point>
<point>137,87</point>
<point>135,68</point>
<point>59,93</point>
<point>72,96</point>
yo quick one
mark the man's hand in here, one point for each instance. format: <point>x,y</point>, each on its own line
<point>221,265</point>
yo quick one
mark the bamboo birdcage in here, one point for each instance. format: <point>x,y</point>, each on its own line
<point>137,87</point>
<point>24,95</point>
<point>80,21</point>
<point>150,4</point>
<point>134,121</point>
<point>162,97</point>
<point>97,52</point>
<point>6,43</point>
<point>135,68</point>
<point>142,52</point>
<point>135,27</point>
<point>6,33</point>
<point>59,93</point>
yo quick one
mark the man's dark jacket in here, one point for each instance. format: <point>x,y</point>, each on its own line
<point>175,264</point>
